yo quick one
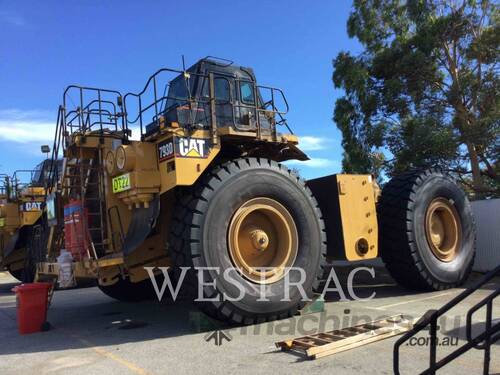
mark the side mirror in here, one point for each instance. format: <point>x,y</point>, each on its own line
<point>45,149</point>
<point>119,101</point>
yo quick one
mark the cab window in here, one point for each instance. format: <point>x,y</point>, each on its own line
<point>246,93</point>
<point>222,90</point>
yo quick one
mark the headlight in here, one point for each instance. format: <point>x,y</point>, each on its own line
<point>125,158</point>
<point>110,163</point>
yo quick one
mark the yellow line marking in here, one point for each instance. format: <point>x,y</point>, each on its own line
<point>414,300</point>
<point>131,366</point>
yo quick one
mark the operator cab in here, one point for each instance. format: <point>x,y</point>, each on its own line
<point>239,101</point>
<point>40,175</point>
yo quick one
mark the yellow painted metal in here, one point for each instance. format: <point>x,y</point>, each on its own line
<point>12,218</point>
<point>139,159</point>
<point>263,240</point>
<point>443,229</point>
<point>108,262</point>
<point>125,157</point>
<point>356,197</point>
<point>30,217</point>
<point>85,269</point>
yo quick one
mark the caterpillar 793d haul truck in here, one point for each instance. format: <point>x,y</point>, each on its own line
<point>203,186</point>
<point>22,221</point>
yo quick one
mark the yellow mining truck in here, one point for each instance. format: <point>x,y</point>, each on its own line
<point>22,223</point>
<point>203,186</point>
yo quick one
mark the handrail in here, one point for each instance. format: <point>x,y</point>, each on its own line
<point>431,317</point>
<point>83,110</point>
<point>160,98</point>
<point>53,176</point>
<point>152,79</point>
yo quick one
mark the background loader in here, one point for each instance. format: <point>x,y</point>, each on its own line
<point>204,187</point>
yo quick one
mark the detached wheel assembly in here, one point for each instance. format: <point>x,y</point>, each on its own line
<point>254,219</point>
<point>443,229</point>
<point>427,231</point>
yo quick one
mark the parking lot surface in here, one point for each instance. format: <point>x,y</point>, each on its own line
<point>94,334</point>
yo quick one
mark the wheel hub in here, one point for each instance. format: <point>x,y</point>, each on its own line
<point>443,229</point>
<point>262,240</point>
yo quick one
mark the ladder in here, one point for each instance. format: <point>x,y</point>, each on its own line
<point>327,343</point>
<point>83,180</point>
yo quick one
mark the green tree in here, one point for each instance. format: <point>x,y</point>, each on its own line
<point>425,90</point>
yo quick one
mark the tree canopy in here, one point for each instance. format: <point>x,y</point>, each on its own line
<point>424,91</point>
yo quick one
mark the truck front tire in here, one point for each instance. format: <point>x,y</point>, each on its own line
<point>243,215</point>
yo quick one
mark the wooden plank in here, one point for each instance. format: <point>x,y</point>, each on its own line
<point>348,340</point>
<point>332,337</point>
<point>303,343</point>
<point>320,339</point>
<point>356,344</point>
<point>331,342</point>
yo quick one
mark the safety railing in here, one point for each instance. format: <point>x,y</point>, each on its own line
<point>154,99</point>
<point>5,186</point>
<point>57,146</point>
<point>482,341</point>
<point>93,109</point>
<point>85,110</point>
<point>21,179</point>
<point>161,95</point>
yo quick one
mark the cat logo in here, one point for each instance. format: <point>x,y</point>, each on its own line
<point>31,206</point>
<point>183,147</point>
<point>192,148</point>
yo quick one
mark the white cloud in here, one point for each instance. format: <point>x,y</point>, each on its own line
<point>12,18</point>
<point>26,126</point>
<point>312,143</point>
<point>34,126</point>
<point>313,163</point>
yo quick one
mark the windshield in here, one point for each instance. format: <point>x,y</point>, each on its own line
<point>37,173</point>
<point>178,92</point>
<point>42,170</point>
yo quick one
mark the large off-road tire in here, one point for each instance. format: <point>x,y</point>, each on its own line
<point>244,214</point>
<point>18,274</point>
<point>427,234</point>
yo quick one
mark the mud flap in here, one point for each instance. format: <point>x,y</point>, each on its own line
<point>141,226</point>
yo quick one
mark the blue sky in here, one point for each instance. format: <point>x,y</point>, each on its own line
<point>47,45</point>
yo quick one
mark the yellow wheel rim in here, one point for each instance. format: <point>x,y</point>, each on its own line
<point>262,234</point>
<point>443,229</point>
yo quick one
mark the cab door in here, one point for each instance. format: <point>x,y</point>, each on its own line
<point>223,91</point>
<point>246,113</point>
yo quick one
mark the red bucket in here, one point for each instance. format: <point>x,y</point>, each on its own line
<point>32,302</point>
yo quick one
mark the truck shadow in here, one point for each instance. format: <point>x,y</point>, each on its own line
<point>82,318</point>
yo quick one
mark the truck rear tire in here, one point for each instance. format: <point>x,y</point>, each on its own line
<point>17,274</point>
<point>126,291</point>
<point>427,232</point>
<point>242,215</point>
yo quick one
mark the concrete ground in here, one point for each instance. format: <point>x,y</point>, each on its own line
<point>93,334</point>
